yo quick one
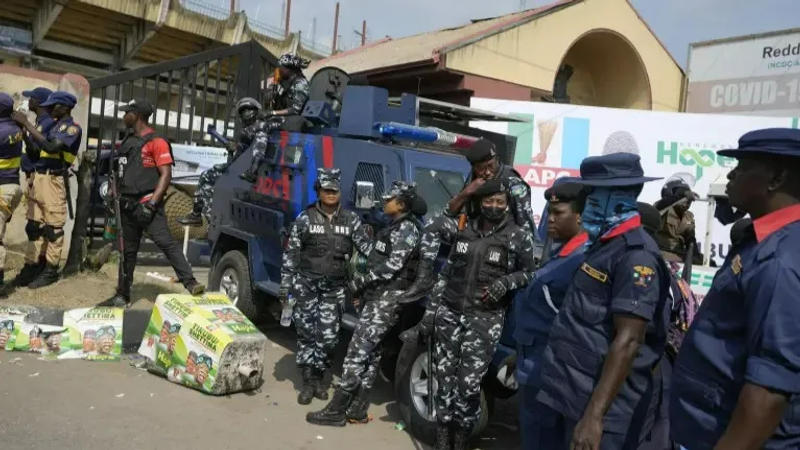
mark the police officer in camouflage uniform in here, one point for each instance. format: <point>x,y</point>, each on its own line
<point>315,272</point>
<point>253,127</point>
<point>285,104</point>
<point>391,264</point>
<point>485,166</point>
<point>490,257</point>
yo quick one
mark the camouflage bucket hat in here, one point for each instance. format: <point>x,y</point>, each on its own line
<point>329,179</point>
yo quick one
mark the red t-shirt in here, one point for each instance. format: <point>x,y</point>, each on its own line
<point>156,152</point>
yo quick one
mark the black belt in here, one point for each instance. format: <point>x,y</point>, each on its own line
<point>55,172</point>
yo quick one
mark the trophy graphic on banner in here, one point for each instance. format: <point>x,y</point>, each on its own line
<point>547,129</point>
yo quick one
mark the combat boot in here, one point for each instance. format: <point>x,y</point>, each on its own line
<point>443,440</point>
<point>26,275</point>
<point>48,276</point>
<point>422,285</point>
<point>320,388</point>
<point>335,412</point>
<point>194,287</point>
<point>194,218</point>
<point>357,412</point>
<point>118,301</point>
<point>307,390</point>
<point>460,437</point>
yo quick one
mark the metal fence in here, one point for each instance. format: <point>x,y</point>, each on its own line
<point>188,94</point>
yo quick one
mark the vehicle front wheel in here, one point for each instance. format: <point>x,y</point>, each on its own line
<point>411,391</point>
<point>231,276</point>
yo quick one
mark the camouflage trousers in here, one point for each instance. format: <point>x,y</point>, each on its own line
<point>317,317</point>
<point>465,345</point>
<point>363,358</point>
<point>205,189</point>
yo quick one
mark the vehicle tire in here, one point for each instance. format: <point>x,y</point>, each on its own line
<point>412,372</point>
<point>176,205</point>
<point>230,274</point>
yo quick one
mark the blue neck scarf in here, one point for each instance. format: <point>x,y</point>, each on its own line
<point>607,207</point>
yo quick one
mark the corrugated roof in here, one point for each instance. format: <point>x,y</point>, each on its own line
<point>425,47</point>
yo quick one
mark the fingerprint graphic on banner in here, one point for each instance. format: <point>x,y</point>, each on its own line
<point>575,142</point>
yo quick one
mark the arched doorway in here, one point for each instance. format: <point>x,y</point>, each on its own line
<point>602,68</point>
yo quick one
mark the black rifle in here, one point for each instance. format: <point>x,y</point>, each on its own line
<point>114,189</point>
<point>65,176</point>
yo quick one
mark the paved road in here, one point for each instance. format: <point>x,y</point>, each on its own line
<point>79,405</point>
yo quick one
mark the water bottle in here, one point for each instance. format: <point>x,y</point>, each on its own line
<point>286,313</point>
<point>110,230</point>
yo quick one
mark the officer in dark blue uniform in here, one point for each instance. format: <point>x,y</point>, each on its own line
<point>10,152</point>
<point>610,333</point>
<point>44,122</point>
<point>736,382</point>
<point>536,307</point>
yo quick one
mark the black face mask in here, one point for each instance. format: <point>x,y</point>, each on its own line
<point>493,214</point>
<point>248,116</point>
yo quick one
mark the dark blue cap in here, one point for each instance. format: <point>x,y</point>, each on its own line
<point>768,141</point>
<point>6,102</point>
<point>616,169</point>
<point>61,98</point>
<point>39,93</point>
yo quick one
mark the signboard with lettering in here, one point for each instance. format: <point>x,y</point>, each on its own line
<point>558,137</point>
<point>756,74</point>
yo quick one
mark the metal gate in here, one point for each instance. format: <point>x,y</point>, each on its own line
<point>187,93</point>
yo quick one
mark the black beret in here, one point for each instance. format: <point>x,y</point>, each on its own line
<point>565,192</point>
<point>651,219</point>
<point>482,150</point>
<point>419,206</point>
<point>493,186</point>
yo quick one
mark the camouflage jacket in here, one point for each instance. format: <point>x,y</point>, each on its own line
<point>294,95</point>
<point>403,239</point>
<point>357,232</point>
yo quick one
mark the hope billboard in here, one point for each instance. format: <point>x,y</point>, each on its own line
<point>555,138</point>
<point>756,74</point>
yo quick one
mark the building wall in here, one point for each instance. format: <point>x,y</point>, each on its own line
<point>530,54</point>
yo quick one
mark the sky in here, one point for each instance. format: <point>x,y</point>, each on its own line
<point>676,22</point>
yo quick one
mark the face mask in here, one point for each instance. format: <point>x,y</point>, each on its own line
<point>608,207</point>
<point>493,214</point>
<point>248,116</point>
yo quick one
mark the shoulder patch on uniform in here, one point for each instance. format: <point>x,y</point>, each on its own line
<point>411,240</point>
<point>519,189</point>
<point>594,273</point>
<point>736,264</point>
<point>72,130</point>
<point>643,276</point>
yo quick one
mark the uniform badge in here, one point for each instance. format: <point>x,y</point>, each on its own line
<point>518,190</point>
<point>72,130</point>
<point>411,240</point>
<point>594,273</point>
<point>643,276</point>
<point>736,264</point>
<point>62,128</point>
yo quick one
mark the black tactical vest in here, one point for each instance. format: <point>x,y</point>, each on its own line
<point>383,249</point>
<point>135,179</point>
<point>476,262</point>
<point>326,246</point>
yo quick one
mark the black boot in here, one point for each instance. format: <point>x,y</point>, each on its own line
<point>118,301</point>
<point>443,440</point>
<point>26,275</point>
<point>422,285</point>
<point>48,276</point>
<point>335,412</point>
<point>193,218</point>
<point>307,390</point>
<point>194,287</point>
<point>460,438</point>
<point>251,174</point>
<point>320,388</point>
<point>357,412</point>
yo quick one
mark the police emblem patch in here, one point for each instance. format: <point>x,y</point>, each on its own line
<point>72,130</point>
<point>594,273</point>
<point>643,276</point>
<point>518,190</point>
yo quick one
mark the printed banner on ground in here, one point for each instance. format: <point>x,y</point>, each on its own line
<point>95,334</point>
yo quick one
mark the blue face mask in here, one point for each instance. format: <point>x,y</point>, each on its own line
<point>607,207</point>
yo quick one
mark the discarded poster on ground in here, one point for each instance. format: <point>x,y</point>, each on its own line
<point>204,342</point>
<point>8,321</point>
<point>49,340</point>
<point>95,334</point>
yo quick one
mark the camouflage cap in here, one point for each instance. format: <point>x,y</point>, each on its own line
<point>406,191</point>
<point>329,179</point>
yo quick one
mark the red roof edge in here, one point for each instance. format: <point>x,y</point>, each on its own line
<point>499,26</point>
